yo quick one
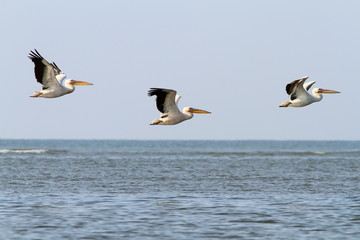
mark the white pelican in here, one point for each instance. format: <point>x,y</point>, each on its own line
<point>50,76</point>
<point>166,102</point>
<point>299,97</point>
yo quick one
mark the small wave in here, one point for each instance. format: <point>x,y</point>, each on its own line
<point>303,153</point>
<point>265,153</point>
<point>23,151</point>
<point>319,153</point>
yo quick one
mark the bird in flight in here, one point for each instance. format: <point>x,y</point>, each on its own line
<point>166,103</point>
<point>299,95</point>
<point>54,82</point>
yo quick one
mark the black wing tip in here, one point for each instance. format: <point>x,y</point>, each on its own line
<point>298,80</point>
<point>56,66</point>
<point>292,85</point>
<point>157,91</point>
<point>161,94</point>
<point>151,93</point>
<point>35,55</point>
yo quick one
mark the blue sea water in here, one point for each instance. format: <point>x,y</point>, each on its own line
<point>118,189</point>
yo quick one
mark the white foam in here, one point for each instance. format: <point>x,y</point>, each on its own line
<point>23,150</point>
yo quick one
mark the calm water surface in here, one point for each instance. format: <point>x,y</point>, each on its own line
<point>59,189</point>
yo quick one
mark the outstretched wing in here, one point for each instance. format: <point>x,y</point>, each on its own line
<point>296,88</point>
<point>44,71</point>
<point>308,85</point>
<point>165,100</point>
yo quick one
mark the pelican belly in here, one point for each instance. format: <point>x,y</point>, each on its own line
<point>51,93</point>
<point>299,103</point>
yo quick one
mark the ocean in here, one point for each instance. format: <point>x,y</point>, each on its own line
<point>119,189</point>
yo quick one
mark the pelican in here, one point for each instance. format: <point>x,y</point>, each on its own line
<point>299,96</point>
<point>50,76</point>
<point>166,102</point>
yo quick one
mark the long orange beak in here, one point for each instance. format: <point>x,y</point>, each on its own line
<point>194,110</point>
<point>321,90</point>
<point>75,82</point>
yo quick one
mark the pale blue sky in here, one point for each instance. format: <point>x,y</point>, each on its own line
<point>232,58</point>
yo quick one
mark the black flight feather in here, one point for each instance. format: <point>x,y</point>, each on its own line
<point>56,68</point>
<point>291,86</point>
<point>160,97</point>
<point>39,65</point>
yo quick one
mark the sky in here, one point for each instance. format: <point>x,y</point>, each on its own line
<point>233,58</point>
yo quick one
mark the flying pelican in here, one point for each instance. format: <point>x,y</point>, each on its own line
<point>50,76</point>
<point>166,102</point>
<point>299,97</point>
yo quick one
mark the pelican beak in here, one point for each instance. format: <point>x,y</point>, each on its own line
<point>321,90</point>
<point>194,110</point>
<point>75,82</point>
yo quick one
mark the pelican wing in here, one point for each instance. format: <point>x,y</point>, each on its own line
<point>177,98</point>
<point>308,85</point>
<point>296,88</point>
<point>165,100</point>
<point>56,68</point>
<point>45,72</point>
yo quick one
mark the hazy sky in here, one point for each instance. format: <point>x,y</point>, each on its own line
<point>232,58</point>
